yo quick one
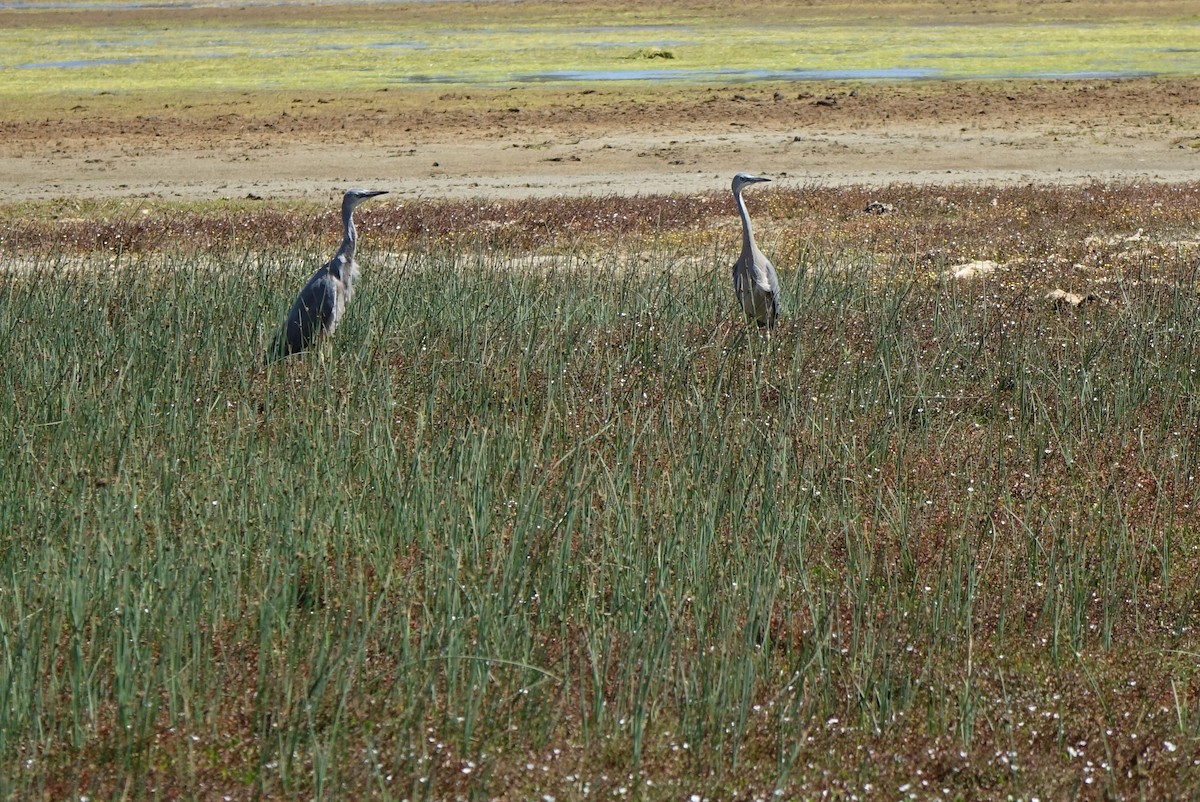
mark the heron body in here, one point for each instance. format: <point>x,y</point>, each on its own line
<point>319,306</point>
<point>754,279</point>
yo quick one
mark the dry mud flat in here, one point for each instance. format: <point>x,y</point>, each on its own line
<point>537,142</point>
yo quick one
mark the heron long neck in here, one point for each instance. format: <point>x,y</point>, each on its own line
<point>747,232</point>
<point>350,238</point>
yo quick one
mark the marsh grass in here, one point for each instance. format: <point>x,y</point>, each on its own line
<point>562,525</point>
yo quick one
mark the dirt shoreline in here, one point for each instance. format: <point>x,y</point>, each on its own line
<point>540,142</point>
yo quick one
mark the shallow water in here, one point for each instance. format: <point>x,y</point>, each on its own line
<point>723,76</point>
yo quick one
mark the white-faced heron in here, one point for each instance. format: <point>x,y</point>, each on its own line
<point>754,278</point>
<point>319,306</point>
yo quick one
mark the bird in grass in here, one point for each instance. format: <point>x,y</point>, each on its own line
<point>319,306</point>
<point>754,278</point>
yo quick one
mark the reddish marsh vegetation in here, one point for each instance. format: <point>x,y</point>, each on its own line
<point>950,223</point>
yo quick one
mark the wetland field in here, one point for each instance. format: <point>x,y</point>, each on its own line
<point>545,519</point>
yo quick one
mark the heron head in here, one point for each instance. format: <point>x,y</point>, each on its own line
<point>353,197</point>
<point>742,179</point>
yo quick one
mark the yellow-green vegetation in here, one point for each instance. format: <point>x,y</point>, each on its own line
<point>331,48</point>
<point>565,527</point>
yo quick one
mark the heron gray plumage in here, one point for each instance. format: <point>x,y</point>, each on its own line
<point>319,306</point>
<point>754,278</point>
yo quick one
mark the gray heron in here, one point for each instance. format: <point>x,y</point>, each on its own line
<point>319,306</point>
<point>754,278</point>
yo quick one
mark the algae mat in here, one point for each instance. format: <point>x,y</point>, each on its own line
<point>528,99</point>
<point>74,48</point>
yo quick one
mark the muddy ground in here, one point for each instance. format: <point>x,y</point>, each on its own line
<point>536,142</point>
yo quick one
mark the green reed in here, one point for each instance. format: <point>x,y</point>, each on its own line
<point>565,504</point>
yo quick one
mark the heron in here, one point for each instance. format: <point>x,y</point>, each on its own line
<point>754,278</point>
<point>319,306</point>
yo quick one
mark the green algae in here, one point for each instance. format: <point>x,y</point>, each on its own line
<point>196,53</point>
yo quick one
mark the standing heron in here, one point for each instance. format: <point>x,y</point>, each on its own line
<point>319,306</point>
<point>754,278</point>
